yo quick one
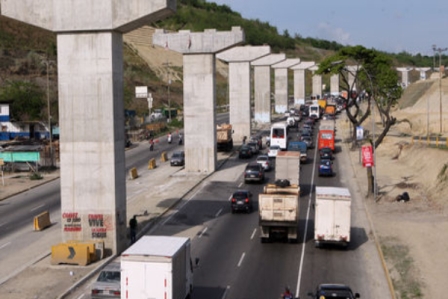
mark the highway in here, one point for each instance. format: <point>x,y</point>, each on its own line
<point>233,261</point>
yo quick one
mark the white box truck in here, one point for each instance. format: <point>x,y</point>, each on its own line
<point>287,166</point>
<point>332,221</point>
<point>157,267</point>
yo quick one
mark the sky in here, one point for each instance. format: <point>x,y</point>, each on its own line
<point>393,26</point>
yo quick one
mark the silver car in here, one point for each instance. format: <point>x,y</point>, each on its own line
<point>108,283</point>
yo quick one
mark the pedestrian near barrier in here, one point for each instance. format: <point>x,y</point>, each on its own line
<point>133,227</point>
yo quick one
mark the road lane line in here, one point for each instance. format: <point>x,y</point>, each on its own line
<point>1,224</point>
<point>218,213</point>
<point>225,292</point>
<point>241,184</point>
<point>307,220</point>
<point>241,259</point>
<point>4,245</point>
<point>253,234</point>
<point>35,208</point>
<point>81,296</point>
<point>203,232</point>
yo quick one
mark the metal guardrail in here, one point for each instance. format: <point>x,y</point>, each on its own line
<point>432,141</point>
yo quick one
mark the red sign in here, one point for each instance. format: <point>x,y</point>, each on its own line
<point>367,156</point>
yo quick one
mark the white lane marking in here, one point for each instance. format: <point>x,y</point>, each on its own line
<point>241,184</point>
<point>230,197</point>
<point>225,292</point>
<point>1,224</point>
<point>241,259</point>
<point>180,208</point>
<point>35,208</point>
<point>218,213</point>
<point>4,245</point>
<point>203,232</point>
<point>308,211</point>
<point>253,234</point>
<point>81,296</point>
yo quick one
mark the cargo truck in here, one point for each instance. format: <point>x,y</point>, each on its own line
<point>224,137</point>
<point>279,202</point>
<point>332,221</point>
<point>157,267</point>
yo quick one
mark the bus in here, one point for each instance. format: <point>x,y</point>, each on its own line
<point>326,139</point>
<point>279,135</point>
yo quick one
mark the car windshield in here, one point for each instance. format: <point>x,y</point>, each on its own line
<point>253,167</point>
<point>240,195</point>
<point>274,148</point>
<point>109,276</point>
<point>177,155</point>
<point>263,158</point>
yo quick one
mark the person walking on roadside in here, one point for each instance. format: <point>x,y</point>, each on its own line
<point>151,145</point>
<point>133,227</point>
<point>169,138</point>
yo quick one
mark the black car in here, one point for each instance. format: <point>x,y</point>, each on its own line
<point>309,141</point>
<point>178,159</point>
<point>241,201</point>
<point>326,153</point>
<point>333,291</point>
<point>254,172</point>
<point>245,152</point>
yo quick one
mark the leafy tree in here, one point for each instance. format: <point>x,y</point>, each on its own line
<point>26,100</point>
<point>374,81</point>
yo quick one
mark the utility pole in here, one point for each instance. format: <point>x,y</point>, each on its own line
<point>167,64</point>
<point>47,64</point>
<point>440,50</point>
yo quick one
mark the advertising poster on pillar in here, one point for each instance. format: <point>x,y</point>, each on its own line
<point>89,225</point>
<point>367,156</point>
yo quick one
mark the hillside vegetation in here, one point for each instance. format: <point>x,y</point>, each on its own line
<point>24,51</point>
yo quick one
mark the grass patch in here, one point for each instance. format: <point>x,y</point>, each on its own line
<point>36,176</point>
<point>402,269</point>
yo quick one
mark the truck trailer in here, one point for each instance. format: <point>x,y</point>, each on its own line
<point>224,137</point>
<point>157,267</point>
<point>332,220</point>
<point>278,205</point>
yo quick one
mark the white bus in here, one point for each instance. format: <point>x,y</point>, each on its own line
<point>279,135</point>
<point>314,110</point>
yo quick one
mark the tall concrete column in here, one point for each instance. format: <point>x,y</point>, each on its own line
<point>90,78</point>
<point>299,80</point>
<point>240,89</point>
<point>404,75</point>
<point>334,84</point>
<point>262,86</point>
<point>422,71</point>
<point>317,82</point>
<point>199,50</point>
<point>281,83</point>
<point>352,73</point>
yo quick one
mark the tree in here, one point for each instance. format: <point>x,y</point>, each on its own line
<point>367,76</point>
<point>26,100</point>
<point>374,81</point>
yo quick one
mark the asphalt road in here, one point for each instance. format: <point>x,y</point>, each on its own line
<point>233,261</point>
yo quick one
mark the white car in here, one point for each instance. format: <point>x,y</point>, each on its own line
<point>263,160</point>
<point>273,150</point>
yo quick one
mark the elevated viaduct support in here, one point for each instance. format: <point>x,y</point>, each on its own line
<point>240,89</point>
<point>262,86</point>
<point>199,50</point>
<point>281,83</point>
<point>90,78</point>
<point>300,80</point>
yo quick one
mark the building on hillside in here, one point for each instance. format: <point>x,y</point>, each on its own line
<point>20,129</point>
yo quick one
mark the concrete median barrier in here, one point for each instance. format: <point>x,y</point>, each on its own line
<point>77,253</point>
<point>152,164</point>
<point>42,221</point>
<point>133,174</point>
<point>164,157</point>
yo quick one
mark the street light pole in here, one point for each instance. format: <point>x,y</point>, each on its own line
<point>47,64</point>
<point>440,50</point>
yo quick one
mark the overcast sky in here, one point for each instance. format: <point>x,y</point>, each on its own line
<point>388,25</point>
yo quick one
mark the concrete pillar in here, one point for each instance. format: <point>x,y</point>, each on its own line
<point>262,86</point>
<point>240,89</point>
<point>422,71</point>
<point>404,75</point>
<point>352,72</point>
<point>199,50</point>
<point>299,80</point>
<point>317,82</point>
<point>90,78</point>
<point>281,83</point>
<point>334,84</point>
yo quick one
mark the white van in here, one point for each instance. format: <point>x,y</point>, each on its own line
<point>279,135</point>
